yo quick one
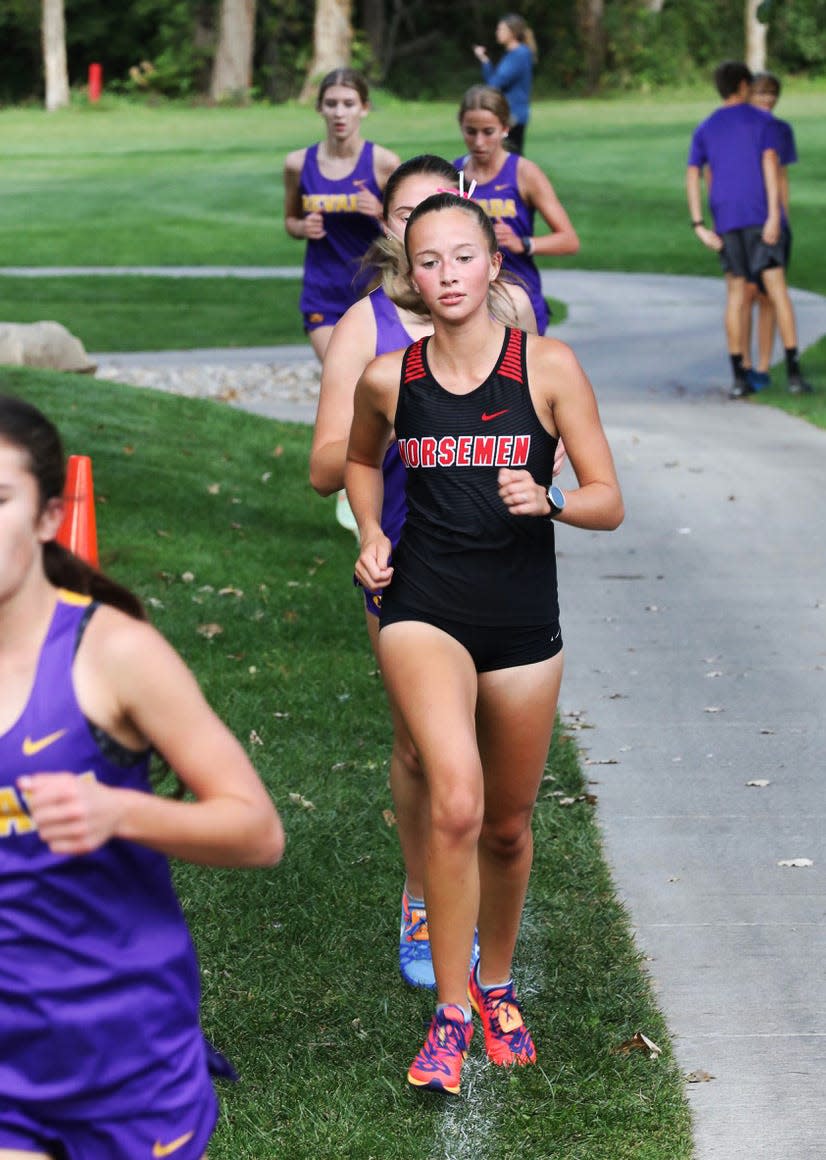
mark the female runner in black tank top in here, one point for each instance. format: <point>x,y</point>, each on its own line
<point>470,645</point>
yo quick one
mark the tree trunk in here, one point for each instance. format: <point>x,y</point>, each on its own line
<point>755,38</point>
<point>232,67</point>
<point>54,55</point>
<point>332,40</point>
<point>592,34</point>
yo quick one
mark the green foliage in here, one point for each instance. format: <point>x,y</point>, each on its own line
<point>169,50</point>
<point>20,50</point>
<point>283,47</point>
<point>796,37</point>
<point>650,50</point>
<point>427,51</point>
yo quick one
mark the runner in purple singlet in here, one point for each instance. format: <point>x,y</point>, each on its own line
<point>101,1052</point>
<point>512,190</point>
<point>332,198</point>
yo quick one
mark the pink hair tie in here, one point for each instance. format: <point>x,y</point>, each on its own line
<point>461,192</point>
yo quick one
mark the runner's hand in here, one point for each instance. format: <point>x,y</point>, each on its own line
<point>367,203</point>
<point>506,238</point>
<point>771,231</point>
<point>372,568</point>
<point>73,814</point>
<point>559,458</point>
<point>709,238</point>
<point>314,226</point>
<point>521,494</point>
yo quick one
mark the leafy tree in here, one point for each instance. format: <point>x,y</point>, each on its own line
<point>796,36</point>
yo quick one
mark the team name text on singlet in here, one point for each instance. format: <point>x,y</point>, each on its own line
<point>466,451</point>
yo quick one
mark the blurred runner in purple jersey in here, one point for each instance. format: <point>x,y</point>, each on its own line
<point>512,190</point>
<point>101,1051</point>
<point>332,197</point>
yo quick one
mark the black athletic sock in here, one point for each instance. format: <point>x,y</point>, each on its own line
<point>792,361</point>
<point>737,366</point>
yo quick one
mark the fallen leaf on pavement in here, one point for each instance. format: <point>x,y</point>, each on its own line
<point>699,1076</point>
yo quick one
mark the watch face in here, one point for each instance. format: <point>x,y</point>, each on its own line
<point>557,499</point>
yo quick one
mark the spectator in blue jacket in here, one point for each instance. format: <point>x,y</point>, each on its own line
<point>513,75</point>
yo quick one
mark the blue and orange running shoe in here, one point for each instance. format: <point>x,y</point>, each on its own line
<point>415,961</point>
<point>507,1039</point>
<point>438,1066</point>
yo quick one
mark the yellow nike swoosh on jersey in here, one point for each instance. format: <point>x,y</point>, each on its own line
<point>30,748</point>
<point>159,1149</point>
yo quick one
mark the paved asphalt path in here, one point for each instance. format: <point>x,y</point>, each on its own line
<point>696,652</point>
<point>696,659</point>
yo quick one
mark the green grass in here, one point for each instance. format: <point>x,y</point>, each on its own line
<point>148,313</point>
<point>810,407</point>
<point>299,962</point>
<point>168,185</point>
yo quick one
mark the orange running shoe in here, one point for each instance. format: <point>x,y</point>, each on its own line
<point>507,1039</point>
<point>438,1066</point>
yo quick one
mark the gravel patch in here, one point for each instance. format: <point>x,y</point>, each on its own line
<point>266,388</point>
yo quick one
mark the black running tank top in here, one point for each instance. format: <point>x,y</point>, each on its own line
<point>462,555</point>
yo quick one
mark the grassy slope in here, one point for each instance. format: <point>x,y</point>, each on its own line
<point>299,963</point>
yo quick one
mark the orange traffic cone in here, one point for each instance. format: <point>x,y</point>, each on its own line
<point>78,532</point>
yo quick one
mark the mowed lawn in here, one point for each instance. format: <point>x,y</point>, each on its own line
<point>122,184</point>
<point>205,512</point>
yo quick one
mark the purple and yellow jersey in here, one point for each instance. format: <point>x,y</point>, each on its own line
<point>390,336</point>
<point>500,198</point>
<point>333,280</point>
<point>99,985</point>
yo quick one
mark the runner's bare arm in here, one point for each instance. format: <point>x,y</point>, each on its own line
<point>537,191</point>
<point>351,345</point>
<point>296,222</point>
<point>132,683</point>
<point>566,395</point>
<point>375,403</point>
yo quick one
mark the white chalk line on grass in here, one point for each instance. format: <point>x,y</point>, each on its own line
<point>470,1126</point>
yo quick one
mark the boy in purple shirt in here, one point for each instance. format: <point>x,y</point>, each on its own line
<point>738,147</point>
<point>765,93</point>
